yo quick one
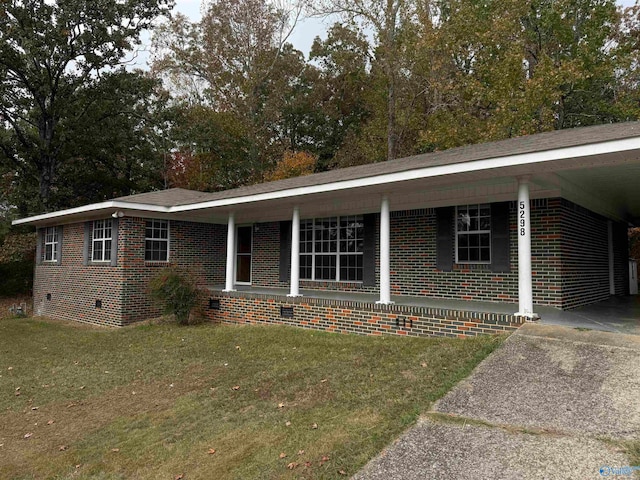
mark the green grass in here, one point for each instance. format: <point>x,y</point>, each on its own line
<point>151,401</point>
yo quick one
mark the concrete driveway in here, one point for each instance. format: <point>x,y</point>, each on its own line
<point>551,403</point>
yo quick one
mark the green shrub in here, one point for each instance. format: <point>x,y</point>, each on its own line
<point>177,291</point>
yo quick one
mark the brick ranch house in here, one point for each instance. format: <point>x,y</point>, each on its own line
<point>459,242</point>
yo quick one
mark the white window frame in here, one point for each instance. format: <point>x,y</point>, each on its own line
<point>152,239</point>
<point>105,224</point>
<point>473,232</point>
<point>338,253</point>
<point>54,242</point>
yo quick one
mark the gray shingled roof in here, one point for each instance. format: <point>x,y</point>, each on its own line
<point>513,146</point>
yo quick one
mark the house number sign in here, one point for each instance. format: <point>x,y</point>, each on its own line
<point>523,221</point>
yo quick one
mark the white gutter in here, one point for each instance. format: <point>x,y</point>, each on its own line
<point>111,204</point>
<point>613,146</point>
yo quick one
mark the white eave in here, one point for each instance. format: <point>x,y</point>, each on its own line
<point>560,159</point>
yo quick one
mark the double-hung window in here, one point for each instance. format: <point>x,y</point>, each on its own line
<point>473,234</point>
<point>101,241</point>
<point>51,244</point>
<point>157,241</point>
<point>332,249</point>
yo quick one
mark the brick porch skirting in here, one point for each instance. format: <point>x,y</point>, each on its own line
<point>346,316</point>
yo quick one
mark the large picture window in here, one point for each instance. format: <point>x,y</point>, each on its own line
<point>473,234</point>
<point>157,241</point>
<point>331,248</point>
<point>101,241</point>
<point>51,244</point>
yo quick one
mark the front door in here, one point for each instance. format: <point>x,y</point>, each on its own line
<point>243,255</point>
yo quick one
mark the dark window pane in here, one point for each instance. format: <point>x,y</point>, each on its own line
<point>244,239</point>
<point>97,251</point>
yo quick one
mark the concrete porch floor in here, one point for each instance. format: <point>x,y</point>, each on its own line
<point>617,314</point>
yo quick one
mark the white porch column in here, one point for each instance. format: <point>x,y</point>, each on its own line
<point>385,254</point>
<point>231,253</point>
<point>295,254</point>
<point>525,288</point>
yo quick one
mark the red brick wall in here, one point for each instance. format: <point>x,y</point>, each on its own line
<point>74,288</point>
<point>198,247</point>
<point>355,317</point>
<point>569,248</point>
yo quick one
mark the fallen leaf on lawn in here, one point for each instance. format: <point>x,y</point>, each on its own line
<point>82,387</point>
<point>28,435</point>
<point>292,465</point>
<point>17,389</point>
<point>281,405</point>
<point>106,371</point>
<point>324,380</point>
<point>282,455</point>
<point>10,368</point>
<point>325,458</point>
<point>179,477</point>
<point>342,472</point>
<point>62,448</point>
<point>307,464</point>
<point>300,452</point>
<point>115,450</point>
<point>423,364</point>
<point>71,405</point>
<point>51,422</point>
<point>287,423</point>
<point>237,347</point>
<point>314,426</point>
<point>212,451</point>
<point>34,408</point>
<point>17,394</point>
<point>171,385</point>
<point>78,466</point>
<point>1,444</point>
<point>236,387</point>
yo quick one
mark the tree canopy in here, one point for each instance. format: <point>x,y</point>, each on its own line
<point>61,79</point>
<point>229,101</point>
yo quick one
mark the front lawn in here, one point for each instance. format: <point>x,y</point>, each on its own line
<point>209,401</point>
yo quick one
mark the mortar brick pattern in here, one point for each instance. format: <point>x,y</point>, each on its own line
<point>569,250</point>
<point>123,289</point>
<point>74,288</point>
<point>356,317</point>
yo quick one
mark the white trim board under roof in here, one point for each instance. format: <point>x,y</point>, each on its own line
<point>564,150</point>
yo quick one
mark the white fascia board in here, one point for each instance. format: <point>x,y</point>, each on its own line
<point>427,172</point>
<point>112,204</point>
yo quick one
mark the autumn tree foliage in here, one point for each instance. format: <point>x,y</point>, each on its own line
<point>293,164</point>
